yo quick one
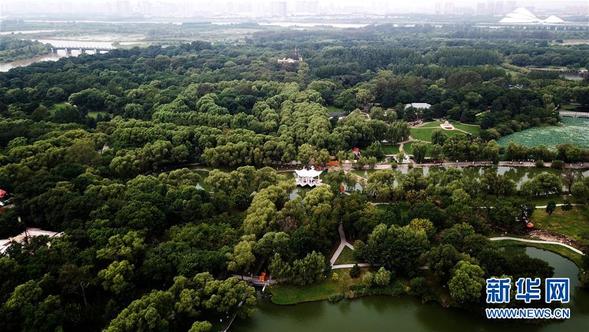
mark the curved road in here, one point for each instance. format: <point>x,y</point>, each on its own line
<point>502,238</point>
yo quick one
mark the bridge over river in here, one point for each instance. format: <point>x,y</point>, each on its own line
<point>76,45</point>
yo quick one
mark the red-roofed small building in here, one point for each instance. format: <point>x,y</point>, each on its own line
<point>3,194</point>
<point>356,152</point>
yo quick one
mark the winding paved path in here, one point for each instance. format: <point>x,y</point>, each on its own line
<point>503,238</point>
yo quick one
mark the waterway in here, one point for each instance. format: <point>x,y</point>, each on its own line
<point>6,66</point>
<point>407,314</point>
<point>519,175</point>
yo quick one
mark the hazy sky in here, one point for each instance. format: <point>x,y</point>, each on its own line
<point>256,7</point>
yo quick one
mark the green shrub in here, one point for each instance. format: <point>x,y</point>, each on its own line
<point>418,286</point>
<point>355,271</point>
<point>557,164</point>
<point>567,206</point>
<point>335,298</point>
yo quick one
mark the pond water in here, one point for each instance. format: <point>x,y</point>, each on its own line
<point>573,131</point>
<point>407,314</point>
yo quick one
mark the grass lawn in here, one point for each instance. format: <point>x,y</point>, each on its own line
<point>333,109</point>
<point>475,130</point>
<point>346,257</point>
<point>408,148</point>
<point>573,256</point>
<point>424,132</point>
<point>288,294</point>
<point>390,149</point>
<point>573,224</point>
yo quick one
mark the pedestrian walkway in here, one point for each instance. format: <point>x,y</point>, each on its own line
<point>343,243</point>
<point>504,238</point>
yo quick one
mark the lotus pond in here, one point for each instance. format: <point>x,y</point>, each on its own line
<point>571,131</point>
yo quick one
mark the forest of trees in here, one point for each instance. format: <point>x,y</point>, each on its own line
<point>100,148</point>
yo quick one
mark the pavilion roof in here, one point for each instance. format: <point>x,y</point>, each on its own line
<point>308,173</point>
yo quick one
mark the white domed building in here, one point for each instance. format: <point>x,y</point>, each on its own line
<point>522,16</point>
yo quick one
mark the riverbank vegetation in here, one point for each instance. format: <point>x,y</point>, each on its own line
<point>102,148</point>
<point>573,223</point>
<point>12,49</point>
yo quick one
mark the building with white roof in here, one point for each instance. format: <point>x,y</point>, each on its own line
<point>524,16</point>
<point>308,177</point>
<point>419,106</point>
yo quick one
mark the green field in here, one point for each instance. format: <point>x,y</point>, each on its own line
<point>575,131</point>
<point>474,130</point>
<point>289,294</point>
<point>346,257</point>
<point>573,224</point>
<point>424,132</point>
<point>390,149</point>
<point>333,109</point>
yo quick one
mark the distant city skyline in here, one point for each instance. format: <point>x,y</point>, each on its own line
<point>280,8</point>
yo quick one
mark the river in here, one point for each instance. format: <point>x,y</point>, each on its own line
<point>406,314</point>
<point>519,175</point>
<point>88,43</point>
<point>6,66</point>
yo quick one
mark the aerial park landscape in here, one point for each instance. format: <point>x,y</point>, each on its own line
<point>228,174</point>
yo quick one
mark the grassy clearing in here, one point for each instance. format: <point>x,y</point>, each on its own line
<point>288,294</point>
<point>390,149</point>
<point>573,256</point>
<point>425,134</point>
<point>346,257</point>
<point>408,148</point>
<point>333,109</point>
<point>469,128</point>
<point>573,224</point>
<point>422,134</point>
